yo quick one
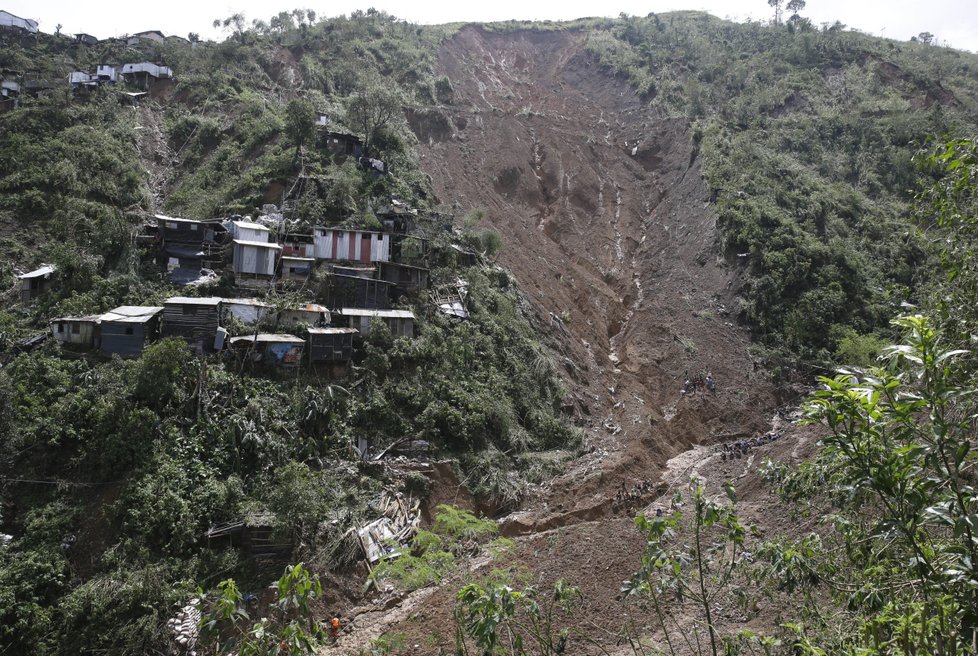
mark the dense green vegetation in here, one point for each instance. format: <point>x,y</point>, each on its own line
<point>112,472</point>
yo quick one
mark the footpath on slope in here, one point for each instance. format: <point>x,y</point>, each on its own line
<point>607,225</point>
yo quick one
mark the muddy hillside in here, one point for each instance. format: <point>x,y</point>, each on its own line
<point>607,224</point>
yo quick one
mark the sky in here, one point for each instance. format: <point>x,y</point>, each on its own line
<point>953,22</point>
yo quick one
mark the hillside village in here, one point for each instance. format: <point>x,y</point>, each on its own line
<point>361,337</point>
<point>357,275</point>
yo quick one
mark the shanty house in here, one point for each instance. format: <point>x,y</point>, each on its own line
<point>279,350</point>
<point>339,143</point>
<point>9,89</point>
<point>310,314</point>
<point>36,282</point>
<point>185,231</point>
<point>331,344</point>
<point>400,322</point>
<point>76,331</point>
<point>359,272</point>
<point>298,246</point>
<point>351,245</point>
<point>16,22</point>
<point>143,74</point>
<point>246,310</point>
<point>196,320</point>
<point>247,231</point>
<point>87,39</point>
<point>255,259</point>
<point>407,278</point>
<point>186,244</point>
<point>126,330</point>
<point>154,36</point>
<point>297,269</point>
<point>356,292</point>
<point>106,73</point>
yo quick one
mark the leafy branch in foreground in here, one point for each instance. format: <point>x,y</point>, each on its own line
<point>899,463</point>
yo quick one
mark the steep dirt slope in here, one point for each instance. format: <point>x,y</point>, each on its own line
<point>606,222</point>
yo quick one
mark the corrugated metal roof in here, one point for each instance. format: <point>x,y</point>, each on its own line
<point>163,217</point>
<point>245,301</point>
<point>132,314</point>
<point>268,338</point>
<point>91,318</point>
<point>45,270</point>
<point>190,300</point>
<point>308,307</point>
<point>299,259</point>
<point>262,244</point>
<point>250,226</point>
<point>332,331</point>
<point>388,314</point>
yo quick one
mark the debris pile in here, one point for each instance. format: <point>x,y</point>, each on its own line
<point>386,536</point>
<point>184,628</point>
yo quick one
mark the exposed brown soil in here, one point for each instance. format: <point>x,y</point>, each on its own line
<point>607,225</point>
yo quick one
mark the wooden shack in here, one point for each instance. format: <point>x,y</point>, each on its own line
<point>330,344</point>
<point>400,322</point>
<point>272,349</point>
<point>36,282</point>
<point>351,245</point>
<point>407,278</point>
<point>126,330</point>
<point>195,320</point>
<point>356,292</point>
<point>341,144</point>
<point>296,269</point>
<point>76,331</point>
<point>184,231</point>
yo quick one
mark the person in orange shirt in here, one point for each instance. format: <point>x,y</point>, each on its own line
<point>334,627</point>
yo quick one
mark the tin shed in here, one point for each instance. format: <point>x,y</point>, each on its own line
<point>351,245</point>
<point>246,231</point>
<point>254,258</point>
<point>127,329</point>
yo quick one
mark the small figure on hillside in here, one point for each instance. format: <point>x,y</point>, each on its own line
<point>334,627</point>
<point>710,383</point>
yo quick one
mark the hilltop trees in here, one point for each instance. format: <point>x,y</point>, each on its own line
<point>371,108</point>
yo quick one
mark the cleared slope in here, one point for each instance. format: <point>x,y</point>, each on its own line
<point>606,222</point>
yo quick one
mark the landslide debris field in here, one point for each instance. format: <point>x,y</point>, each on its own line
<point>607,225</point>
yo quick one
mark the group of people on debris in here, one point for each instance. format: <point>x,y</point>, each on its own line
<point>698,381</point>
<point>741,448</point>
<point>624,493</point>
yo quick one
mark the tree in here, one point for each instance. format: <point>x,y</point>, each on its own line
<point>776,4</point>
<point>290,629</point>
<point>371,108</point>
<point>795,6</point>
<point>300,123</point>
<point>234,23</point>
